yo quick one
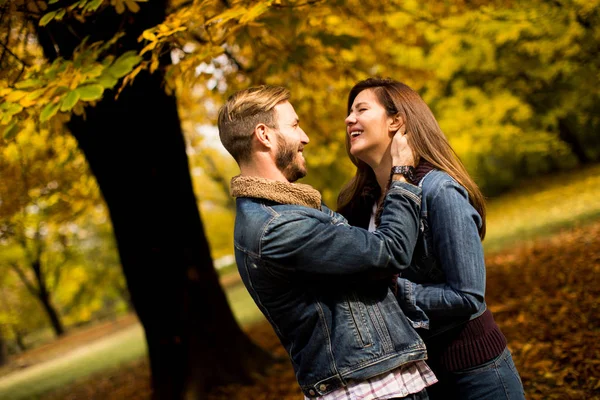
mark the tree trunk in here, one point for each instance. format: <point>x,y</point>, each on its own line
<point>19,339</point>
<point>135,148</point>
<point>52,314</point>
<point>566,134</point>
<point>3,351</point>
<point>43,295</point>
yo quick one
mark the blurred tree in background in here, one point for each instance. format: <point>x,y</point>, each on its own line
<point>49,215</point>
<point>514,85</point>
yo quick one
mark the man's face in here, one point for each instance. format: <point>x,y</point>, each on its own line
<point>290,143</point>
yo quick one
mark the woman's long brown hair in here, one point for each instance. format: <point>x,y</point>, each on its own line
<point>425,138</point>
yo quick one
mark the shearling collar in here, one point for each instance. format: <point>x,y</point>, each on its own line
<point>279,192</point>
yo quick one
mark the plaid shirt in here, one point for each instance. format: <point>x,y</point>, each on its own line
<point>408,379</point>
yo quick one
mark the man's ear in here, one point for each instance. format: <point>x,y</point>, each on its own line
<point>264,135</point>
<point>397,125</point>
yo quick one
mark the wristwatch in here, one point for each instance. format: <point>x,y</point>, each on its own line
<point>406,170</point>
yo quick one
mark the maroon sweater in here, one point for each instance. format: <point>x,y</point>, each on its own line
<point>469,344</point>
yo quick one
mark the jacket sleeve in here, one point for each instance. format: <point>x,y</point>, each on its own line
<point>302,241</point>
<point>457,247</point>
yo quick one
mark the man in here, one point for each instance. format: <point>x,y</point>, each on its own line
<point>321,283</point>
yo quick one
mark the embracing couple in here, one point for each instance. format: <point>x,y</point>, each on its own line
<point>385,298</point>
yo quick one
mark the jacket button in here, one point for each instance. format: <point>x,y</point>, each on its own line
<point>322,387</point>
<point>312,392</point>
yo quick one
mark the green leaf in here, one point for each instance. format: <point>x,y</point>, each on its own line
<point>69,101</point>
<point>53,2</point>
<point>124,64</point>
<point>11,131</point>
<point>28,83</point>
<point>93,5</point>
<point>337,41</point>
<point>60,14</point>
<point>47,18</point>
<point>35,94</point>
<point>90,92</point>
<point>11,108</point>
<point>107,81</point>
<point>49,111</point>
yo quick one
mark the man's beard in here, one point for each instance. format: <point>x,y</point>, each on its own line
<point>287,161</point>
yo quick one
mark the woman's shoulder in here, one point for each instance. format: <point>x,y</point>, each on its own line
<point>436,178</point>
<point>436,182</point>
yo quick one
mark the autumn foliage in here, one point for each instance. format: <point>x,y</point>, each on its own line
<point>544,296</point>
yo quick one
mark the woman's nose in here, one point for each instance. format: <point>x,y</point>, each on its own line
<point>350,119</point>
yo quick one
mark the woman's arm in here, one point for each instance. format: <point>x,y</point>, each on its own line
<point>458,250</point>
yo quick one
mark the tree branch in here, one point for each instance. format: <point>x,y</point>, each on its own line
<point>25,280</point>
<point>59,266</point>
<point>7,50</point>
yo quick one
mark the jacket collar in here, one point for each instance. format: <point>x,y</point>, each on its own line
<point>279,192</point>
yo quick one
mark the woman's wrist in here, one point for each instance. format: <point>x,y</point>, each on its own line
<point>399,178</point>
<point>406,171</point>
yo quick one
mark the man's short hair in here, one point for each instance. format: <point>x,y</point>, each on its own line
<point>242,112</point>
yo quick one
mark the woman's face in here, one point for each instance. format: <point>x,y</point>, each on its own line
<point>368,128</point>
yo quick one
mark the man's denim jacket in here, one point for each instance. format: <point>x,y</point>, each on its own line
<point>308,271</point>
<point>445,283</point>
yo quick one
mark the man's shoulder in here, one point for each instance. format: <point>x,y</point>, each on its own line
<point>269,209</point>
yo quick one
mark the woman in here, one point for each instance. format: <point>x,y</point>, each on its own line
<point>443,290</point>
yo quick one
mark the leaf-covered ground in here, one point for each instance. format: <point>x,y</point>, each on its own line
<point>544,296</point>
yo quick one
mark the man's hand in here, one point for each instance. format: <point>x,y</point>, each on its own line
<point>402,154</point>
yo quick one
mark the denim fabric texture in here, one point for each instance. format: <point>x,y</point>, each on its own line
<point>445,283</point>
<point>496,379</point>
<point>291,259</point>
<point>445,287</point>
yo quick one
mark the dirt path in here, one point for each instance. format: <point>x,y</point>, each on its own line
<point>74,338</point>
<point>64,357</point>
<point>98,346</point>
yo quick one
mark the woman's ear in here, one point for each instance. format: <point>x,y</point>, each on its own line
<point>397,125</point>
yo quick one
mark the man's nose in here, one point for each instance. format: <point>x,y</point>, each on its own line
<point>304,138</point>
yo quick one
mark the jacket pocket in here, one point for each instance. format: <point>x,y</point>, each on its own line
<point>359,321</point>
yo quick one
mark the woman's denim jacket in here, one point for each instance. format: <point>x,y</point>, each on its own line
<point>445,284</point>
<point>307,270</point>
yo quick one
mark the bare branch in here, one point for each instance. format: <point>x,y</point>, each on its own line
<point>30,286</point>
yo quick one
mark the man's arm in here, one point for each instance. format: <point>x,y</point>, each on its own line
<point>302,241</point>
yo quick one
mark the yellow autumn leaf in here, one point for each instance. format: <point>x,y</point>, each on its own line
<point>15,96</point>
<point>119,6</point>
<point>132,6</point>
<point>148,35</point>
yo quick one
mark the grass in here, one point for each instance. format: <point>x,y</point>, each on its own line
<point>107,354</point>
<point>539,208</point>
<point>542,207</point>
<point>245,310</point>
